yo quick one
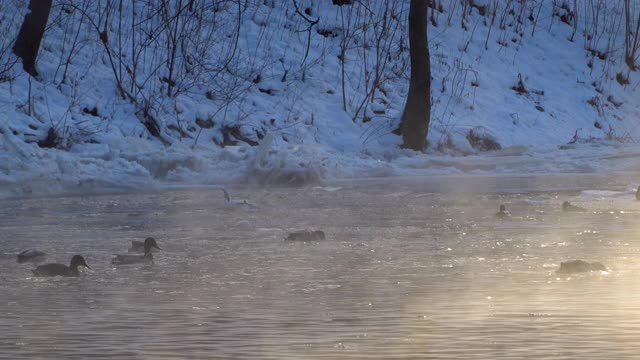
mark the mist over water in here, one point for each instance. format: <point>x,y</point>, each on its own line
<point>410,269</point>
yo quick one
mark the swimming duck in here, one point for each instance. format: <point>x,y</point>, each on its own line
<point>149,243</point>
<point>503,213</point>
<point>567,206</point>
<point>138,246</point>
<point>238,203</point>
<point>61,269</point>
<point>306,235</point>
<point>31,255</point>
<point>578,266</point>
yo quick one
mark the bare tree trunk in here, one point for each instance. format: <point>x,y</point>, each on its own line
<point>31,32</point>
<point>417,111</point>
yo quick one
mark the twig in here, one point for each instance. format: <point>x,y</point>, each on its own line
<point>311,24</point>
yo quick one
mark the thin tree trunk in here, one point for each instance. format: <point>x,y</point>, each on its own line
<point>31,32</point>
<point>417,111</point>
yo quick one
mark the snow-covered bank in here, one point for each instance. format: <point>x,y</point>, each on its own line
<point>105,168</point>
<point>532,78</point>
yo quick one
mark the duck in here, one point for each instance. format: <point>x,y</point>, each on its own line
<point>579,266</point>
<point>149,244</point>
<point>306,235</point>
<point>503,213</point>
<point>567,206</point>
<point>638,193</point>
<point>31,255</point>
<point>61,269</point>
<point>138,246</point>
<point>238,203</point>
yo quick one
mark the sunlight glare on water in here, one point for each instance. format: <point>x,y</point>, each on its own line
<point>407,271</point>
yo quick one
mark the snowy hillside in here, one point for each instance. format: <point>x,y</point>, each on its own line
<point>292,92</point>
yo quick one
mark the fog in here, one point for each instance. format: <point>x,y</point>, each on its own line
<point>410,268</point>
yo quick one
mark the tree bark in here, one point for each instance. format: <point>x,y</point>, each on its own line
<point>417,111</point>
<point>30,35</point>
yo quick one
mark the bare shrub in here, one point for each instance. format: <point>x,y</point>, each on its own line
<point>482,141</point>
<point>372,33</point>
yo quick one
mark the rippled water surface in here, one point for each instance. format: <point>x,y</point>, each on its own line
<point>416,269</point>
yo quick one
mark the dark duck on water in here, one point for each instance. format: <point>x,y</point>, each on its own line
<point>61,269</point>
<point>138,246</point>
<point>149,244</point>
<point>306,235</point>
<point>579,266</point>
<point>568,207</point>
<point>503,213</point>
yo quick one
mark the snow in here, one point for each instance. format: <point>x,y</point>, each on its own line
<point>305,136</point>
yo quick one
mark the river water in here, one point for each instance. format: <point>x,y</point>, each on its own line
<point>410,269</point>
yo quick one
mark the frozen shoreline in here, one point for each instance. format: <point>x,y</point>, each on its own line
<point>35,172</point>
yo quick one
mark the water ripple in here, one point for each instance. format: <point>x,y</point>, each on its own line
<point>399,277</point>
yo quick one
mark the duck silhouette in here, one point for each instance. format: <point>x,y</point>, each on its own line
<point>578,266</point>
<point>61,269</point>
<point>146,258</point>
<point>137,246</point>
<point>306,235</point>
<point>568,207</point>
<point>30,255</point>
<point>503,213</point>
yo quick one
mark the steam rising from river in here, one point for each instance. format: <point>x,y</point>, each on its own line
<point>414,268</point>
